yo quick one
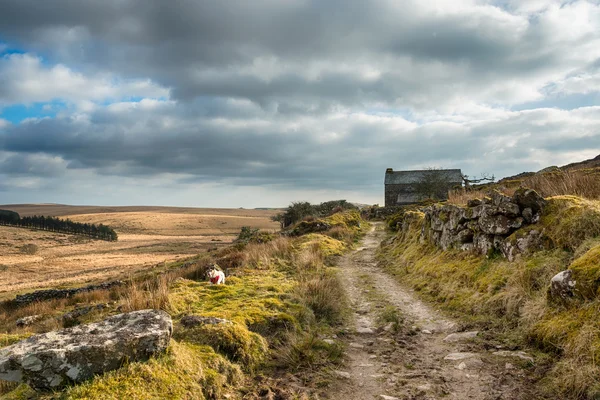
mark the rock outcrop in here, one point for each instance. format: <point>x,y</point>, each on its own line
<point>562,286</point>
<point>27,321</point>
<point>55,359</point>
<point>485,224</point>
<point>190,321</point>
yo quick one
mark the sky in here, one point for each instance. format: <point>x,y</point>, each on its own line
<point>259,103</point>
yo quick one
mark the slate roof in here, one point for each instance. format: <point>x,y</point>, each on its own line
<point>408,177</point>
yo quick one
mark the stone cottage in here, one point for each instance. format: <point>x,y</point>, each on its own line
<point>408,187</point>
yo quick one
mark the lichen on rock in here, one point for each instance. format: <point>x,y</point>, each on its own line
<point>485,225</point>
<point>55,359</point>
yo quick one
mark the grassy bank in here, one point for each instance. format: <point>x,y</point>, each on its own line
<point>511,298</point>
<point>282,296</point>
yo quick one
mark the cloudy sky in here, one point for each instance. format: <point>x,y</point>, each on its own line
<point>258,103</point>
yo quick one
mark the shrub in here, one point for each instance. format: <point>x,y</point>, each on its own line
<point>295,212</point>
<point>305,211</point>
<point>253,235</point>
<point>306,227</point>
<point>335,206</point>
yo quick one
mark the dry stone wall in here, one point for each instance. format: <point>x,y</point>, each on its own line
<point>486,225</point>
<point>53,294</point>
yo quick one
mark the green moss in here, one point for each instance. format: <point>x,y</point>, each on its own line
<point>350,219</point>
<point>185,371</point>
<point>586,273</point>
<point>327,245</point>
<point>232,340</point>
<point>569,220</point>
<point>7,339</point>
<point>257,300</point>
<point>444,216</point>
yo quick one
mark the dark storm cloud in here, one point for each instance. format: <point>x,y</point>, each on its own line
<point>207,48</point>
<point>299,93</point>
<point>236,150</point>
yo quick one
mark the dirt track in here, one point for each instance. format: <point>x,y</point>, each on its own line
<point>419,360</point>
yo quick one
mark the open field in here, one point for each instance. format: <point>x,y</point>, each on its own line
<point>148,236</point>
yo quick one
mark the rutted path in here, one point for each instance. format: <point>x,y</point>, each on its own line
<point>427,358</point>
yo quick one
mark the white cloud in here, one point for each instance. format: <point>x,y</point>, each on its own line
<point>25,78</point>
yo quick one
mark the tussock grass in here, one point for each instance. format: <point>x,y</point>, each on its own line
<point>460,197</point>
<point>152,294</point>
<point>306,351</point>
<point>324,295</point>
<point>341,233</point>
<point>582,183</point>
<point>260,255</point>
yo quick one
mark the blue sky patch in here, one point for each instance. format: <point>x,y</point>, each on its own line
<point>19,112</point>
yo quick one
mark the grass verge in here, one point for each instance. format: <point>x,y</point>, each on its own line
<point>511,298</point>
<point>281,297</point>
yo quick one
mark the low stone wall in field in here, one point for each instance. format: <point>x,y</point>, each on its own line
<point>51,294</point>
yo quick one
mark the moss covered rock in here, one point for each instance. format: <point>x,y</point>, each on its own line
<point>569,220</point>
<point>55,359</point>
<point>326,244</point>
<point>234,341</point>
<point>586,273</point>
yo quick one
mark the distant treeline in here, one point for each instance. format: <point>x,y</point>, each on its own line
<point>53,224</point>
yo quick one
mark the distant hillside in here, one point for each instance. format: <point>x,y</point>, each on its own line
<point>591,164</point>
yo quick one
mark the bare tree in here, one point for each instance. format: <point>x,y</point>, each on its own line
<point>434,184</point>
<point>484,177</point>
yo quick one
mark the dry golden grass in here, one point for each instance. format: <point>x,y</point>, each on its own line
<point>146,240</point>
<point>58,210</point>
<point>175,224</point>
<point>583,183</point>
<point>462,196</point>
<point>152,294</point>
